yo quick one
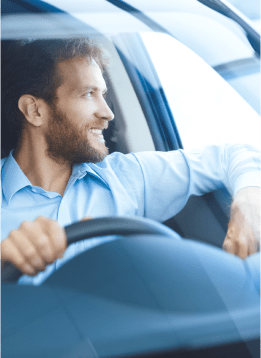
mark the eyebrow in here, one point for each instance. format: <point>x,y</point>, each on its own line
<point>94,88</point>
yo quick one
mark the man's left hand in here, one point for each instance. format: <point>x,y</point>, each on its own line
<point>243,235</point>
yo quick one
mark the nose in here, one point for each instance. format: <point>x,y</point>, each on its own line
<point>104,111</point>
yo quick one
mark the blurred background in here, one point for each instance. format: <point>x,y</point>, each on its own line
<point>250,8</point>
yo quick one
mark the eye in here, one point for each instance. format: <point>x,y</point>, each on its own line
<point>88,94</point>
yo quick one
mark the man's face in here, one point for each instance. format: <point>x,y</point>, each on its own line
<point>74,131</point>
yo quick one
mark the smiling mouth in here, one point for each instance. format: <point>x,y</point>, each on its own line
<point>97,132</point>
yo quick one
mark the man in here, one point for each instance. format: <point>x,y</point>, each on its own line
<point>54,101</point>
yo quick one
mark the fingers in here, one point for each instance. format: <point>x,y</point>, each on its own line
<point>35,234</point>
<point>240,243</point>
<point>229,242</point>
<point>86,218</point>
<point>228,246</point>
<point>241,247</point>
<point>10,253</point>
<point>254,246</point>
<point>34,245</point>
<point>56,237</point>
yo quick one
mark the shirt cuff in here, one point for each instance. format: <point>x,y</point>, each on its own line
<point>248,179</point>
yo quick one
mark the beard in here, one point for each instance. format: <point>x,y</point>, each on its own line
<point>67,144</point>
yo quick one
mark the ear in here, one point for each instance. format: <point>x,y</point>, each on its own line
<point>32,108</point>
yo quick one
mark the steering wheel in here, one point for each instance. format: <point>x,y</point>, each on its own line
<point>111,225</point>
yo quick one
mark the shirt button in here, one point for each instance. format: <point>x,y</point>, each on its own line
<point>34,190</point>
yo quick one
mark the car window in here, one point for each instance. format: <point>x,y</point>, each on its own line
<point>250,8</point>
<point>249,88</point>
<point>220,41</point>
<point>206,109</point>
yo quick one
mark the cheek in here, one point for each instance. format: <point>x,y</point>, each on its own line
<point>81,112</point>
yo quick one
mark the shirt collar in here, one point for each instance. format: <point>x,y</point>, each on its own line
<point>80,170</point>
<point>14,179</point>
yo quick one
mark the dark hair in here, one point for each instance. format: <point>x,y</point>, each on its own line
<point>29,67</point>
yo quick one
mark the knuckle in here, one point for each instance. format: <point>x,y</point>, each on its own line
<point>241,243</point>
<point>44,248</point>
<point>13,234</point>
<point>85,218</point>
<point>29,227</point>
<point>29,253</point>
<point>226,243</point>
<point>227,246</point>
<point>38,263</point>
<point>54,226</point>
<point>19,262</point>
<point>16,237</point>
<point>224,246</point>
<point>57,236</point>
<point>41,219</point>
<point>42,241</point>
<point>28,269</point>
<point>25,225</point>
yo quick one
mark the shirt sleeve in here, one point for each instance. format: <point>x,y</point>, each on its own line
<point>171,177</point>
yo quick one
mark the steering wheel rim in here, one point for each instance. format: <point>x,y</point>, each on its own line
<point>109,225</point>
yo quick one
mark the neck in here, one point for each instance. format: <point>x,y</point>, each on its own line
<point>41,170</point>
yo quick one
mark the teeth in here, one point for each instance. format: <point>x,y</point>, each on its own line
<point>96,131</point>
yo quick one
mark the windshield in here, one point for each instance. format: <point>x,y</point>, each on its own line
<point>207,110</point>
<point>250,8</point>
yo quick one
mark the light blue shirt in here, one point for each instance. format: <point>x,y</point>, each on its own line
<point>155,185</point>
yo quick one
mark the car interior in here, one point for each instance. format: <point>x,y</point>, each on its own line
<point>203,218</point>
<point>134,129</point>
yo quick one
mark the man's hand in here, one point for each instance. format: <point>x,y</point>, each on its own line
<point>34,245</point>
<point>243,235</point>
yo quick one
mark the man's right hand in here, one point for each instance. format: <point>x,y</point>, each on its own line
<point>34,245</point>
